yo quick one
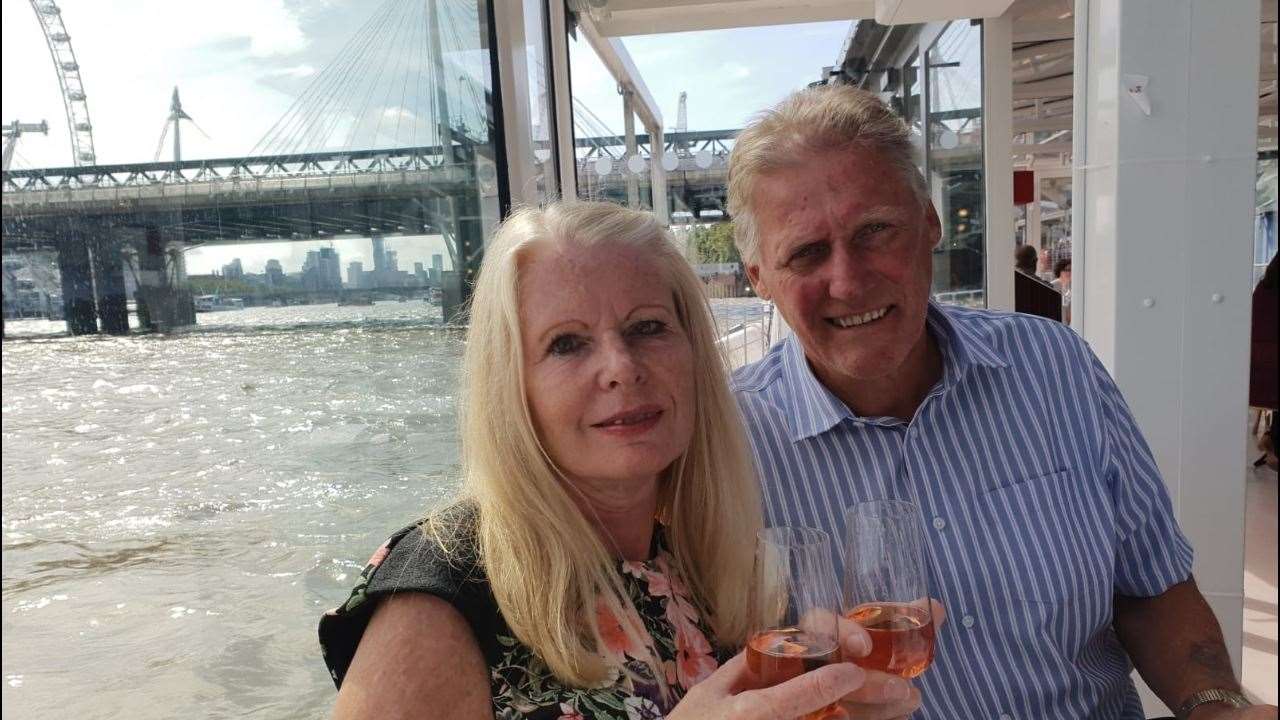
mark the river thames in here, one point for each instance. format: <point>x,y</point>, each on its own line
<point>179,510</point>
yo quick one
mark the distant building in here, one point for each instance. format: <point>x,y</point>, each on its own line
<point>321,270</point>
<point>420,274</point>
<point>274,273</point>
<point>233,270</point>
<point>437,269</point>
<point>355,274</point>
<point>379,259</point>
<point>392,265</point>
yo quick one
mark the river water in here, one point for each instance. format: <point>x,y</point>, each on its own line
<point>179,510</point>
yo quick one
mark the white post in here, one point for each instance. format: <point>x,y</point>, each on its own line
<point>658,175</point>
<point>1168,161</point>
<point>566,154</point>
<point>629,138</point>
<point>997,158</point>
<point>1033,213</point>
<point>517,114</point>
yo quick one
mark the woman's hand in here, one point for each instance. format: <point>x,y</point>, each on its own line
<point>722,695</point>
<point>861,694</point>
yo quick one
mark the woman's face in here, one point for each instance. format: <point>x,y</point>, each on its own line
<point>607,366</point>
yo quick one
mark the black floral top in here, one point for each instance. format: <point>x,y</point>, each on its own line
<point>521,684</point>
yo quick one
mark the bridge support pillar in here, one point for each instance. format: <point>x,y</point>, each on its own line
<point>451,300</point>
<point>161,305</point>
<point>108,273</point>
<point>77,284</point>
<point>470,241</point>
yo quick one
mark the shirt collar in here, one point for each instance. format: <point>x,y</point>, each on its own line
<point>815,409</point>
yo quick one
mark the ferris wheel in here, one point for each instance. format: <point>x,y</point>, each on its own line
<point>69,80</point>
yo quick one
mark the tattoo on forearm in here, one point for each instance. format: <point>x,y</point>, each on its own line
<point>1212,656</point>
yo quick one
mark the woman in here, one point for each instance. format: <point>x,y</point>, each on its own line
<point>596,564</point>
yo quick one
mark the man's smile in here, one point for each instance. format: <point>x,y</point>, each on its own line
<point>858,319</point>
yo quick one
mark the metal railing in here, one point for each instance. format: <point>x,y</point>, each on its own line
<point>748,340</point>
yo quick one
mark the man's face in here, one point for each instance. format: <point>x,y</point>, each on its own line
<point>846,254</point>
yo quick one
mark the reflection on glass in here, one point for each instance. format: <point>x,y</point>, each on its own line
<point>954,147</point>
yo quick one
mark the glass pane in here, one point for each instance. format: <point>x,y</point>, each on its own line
<point>537,54</point>
<point>277,245</point>
<point>954,146</point>
<point>1264,224</point>
<point>913,88</point>
<point>707,86</point>
<point>1055,220</point>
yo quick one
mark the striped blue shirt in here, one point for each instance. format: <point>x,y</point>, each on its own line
<point>1041,501</point>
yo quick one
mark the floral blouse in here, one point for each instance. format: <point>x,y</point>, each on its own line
<point>521,684</point>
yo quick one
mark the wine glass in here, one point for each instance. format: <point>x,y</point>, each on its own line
<point>886,586</point>
<point>795,594</point>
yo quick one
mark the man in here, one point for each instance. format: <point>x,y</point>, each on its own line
<point>1052,541</point>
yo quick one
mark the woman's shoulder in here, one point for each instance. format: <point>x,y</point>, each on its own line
<point>436,555</point>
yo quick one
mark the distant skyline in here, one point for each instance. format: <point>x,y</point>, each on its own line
<point>241,63</point>
<point>205,260</point>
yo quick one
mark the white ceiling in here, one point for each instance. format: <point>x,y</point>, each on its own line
<point>617,18</point>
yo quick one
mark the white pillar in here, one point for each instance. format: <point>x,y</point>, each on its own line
<point>1033,213</point>
<point>997,158</point>
<point>629,138</point>
<point>1168,219</point>
<point>566,154</point>
<point>517,113</point>
<point>658,175</point>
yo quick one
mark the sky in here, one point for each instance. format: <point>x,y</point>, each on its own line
<point>241,64</point>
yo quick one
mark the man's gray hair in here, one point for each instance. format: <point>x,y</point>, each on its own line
<point>826,118</point>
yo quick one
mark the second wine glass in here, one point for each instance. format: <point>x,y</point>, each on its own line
<point>886,586</point>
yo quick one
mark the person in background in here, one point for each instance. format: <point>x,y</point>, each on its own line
<point>1051,532</point>
<point>1024,259</point>
<point>1062,283</point>
<point>1044,269</point>
<point>596,565</point>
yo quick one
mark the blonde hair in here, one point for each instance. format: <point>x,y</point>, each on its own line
<point>546,563</point>
<point>826,118</point>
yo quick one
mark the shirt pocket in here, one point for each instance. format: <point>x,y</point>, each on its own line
<point>1049,540</point>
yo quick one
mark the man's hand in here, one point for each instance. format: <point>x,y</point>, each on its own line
<point>882,696</point>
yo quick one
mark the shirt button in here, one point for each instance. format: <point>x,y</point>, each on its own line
<point>967,621</point>
<point>1006,716</point>
<point>939,523</point>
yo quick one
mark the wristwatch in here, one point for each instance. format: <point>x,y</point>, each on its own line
<point>1216,695</point>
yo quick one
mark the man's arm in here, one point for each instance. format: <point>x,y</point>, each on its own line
<point>1176,645</point>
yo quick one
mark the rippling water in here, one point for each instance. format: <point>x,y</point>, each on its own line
<point>179,510</point>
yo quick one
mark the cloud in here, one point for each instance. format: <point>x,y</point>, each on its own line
<point>296,71</point>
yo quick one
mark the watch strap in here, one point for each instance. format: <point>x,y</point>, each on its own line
<point>1215,695</point>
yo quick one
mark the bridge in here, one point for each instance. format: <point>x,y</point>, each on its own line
<point>334,166</point>
<point>96,215</point>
